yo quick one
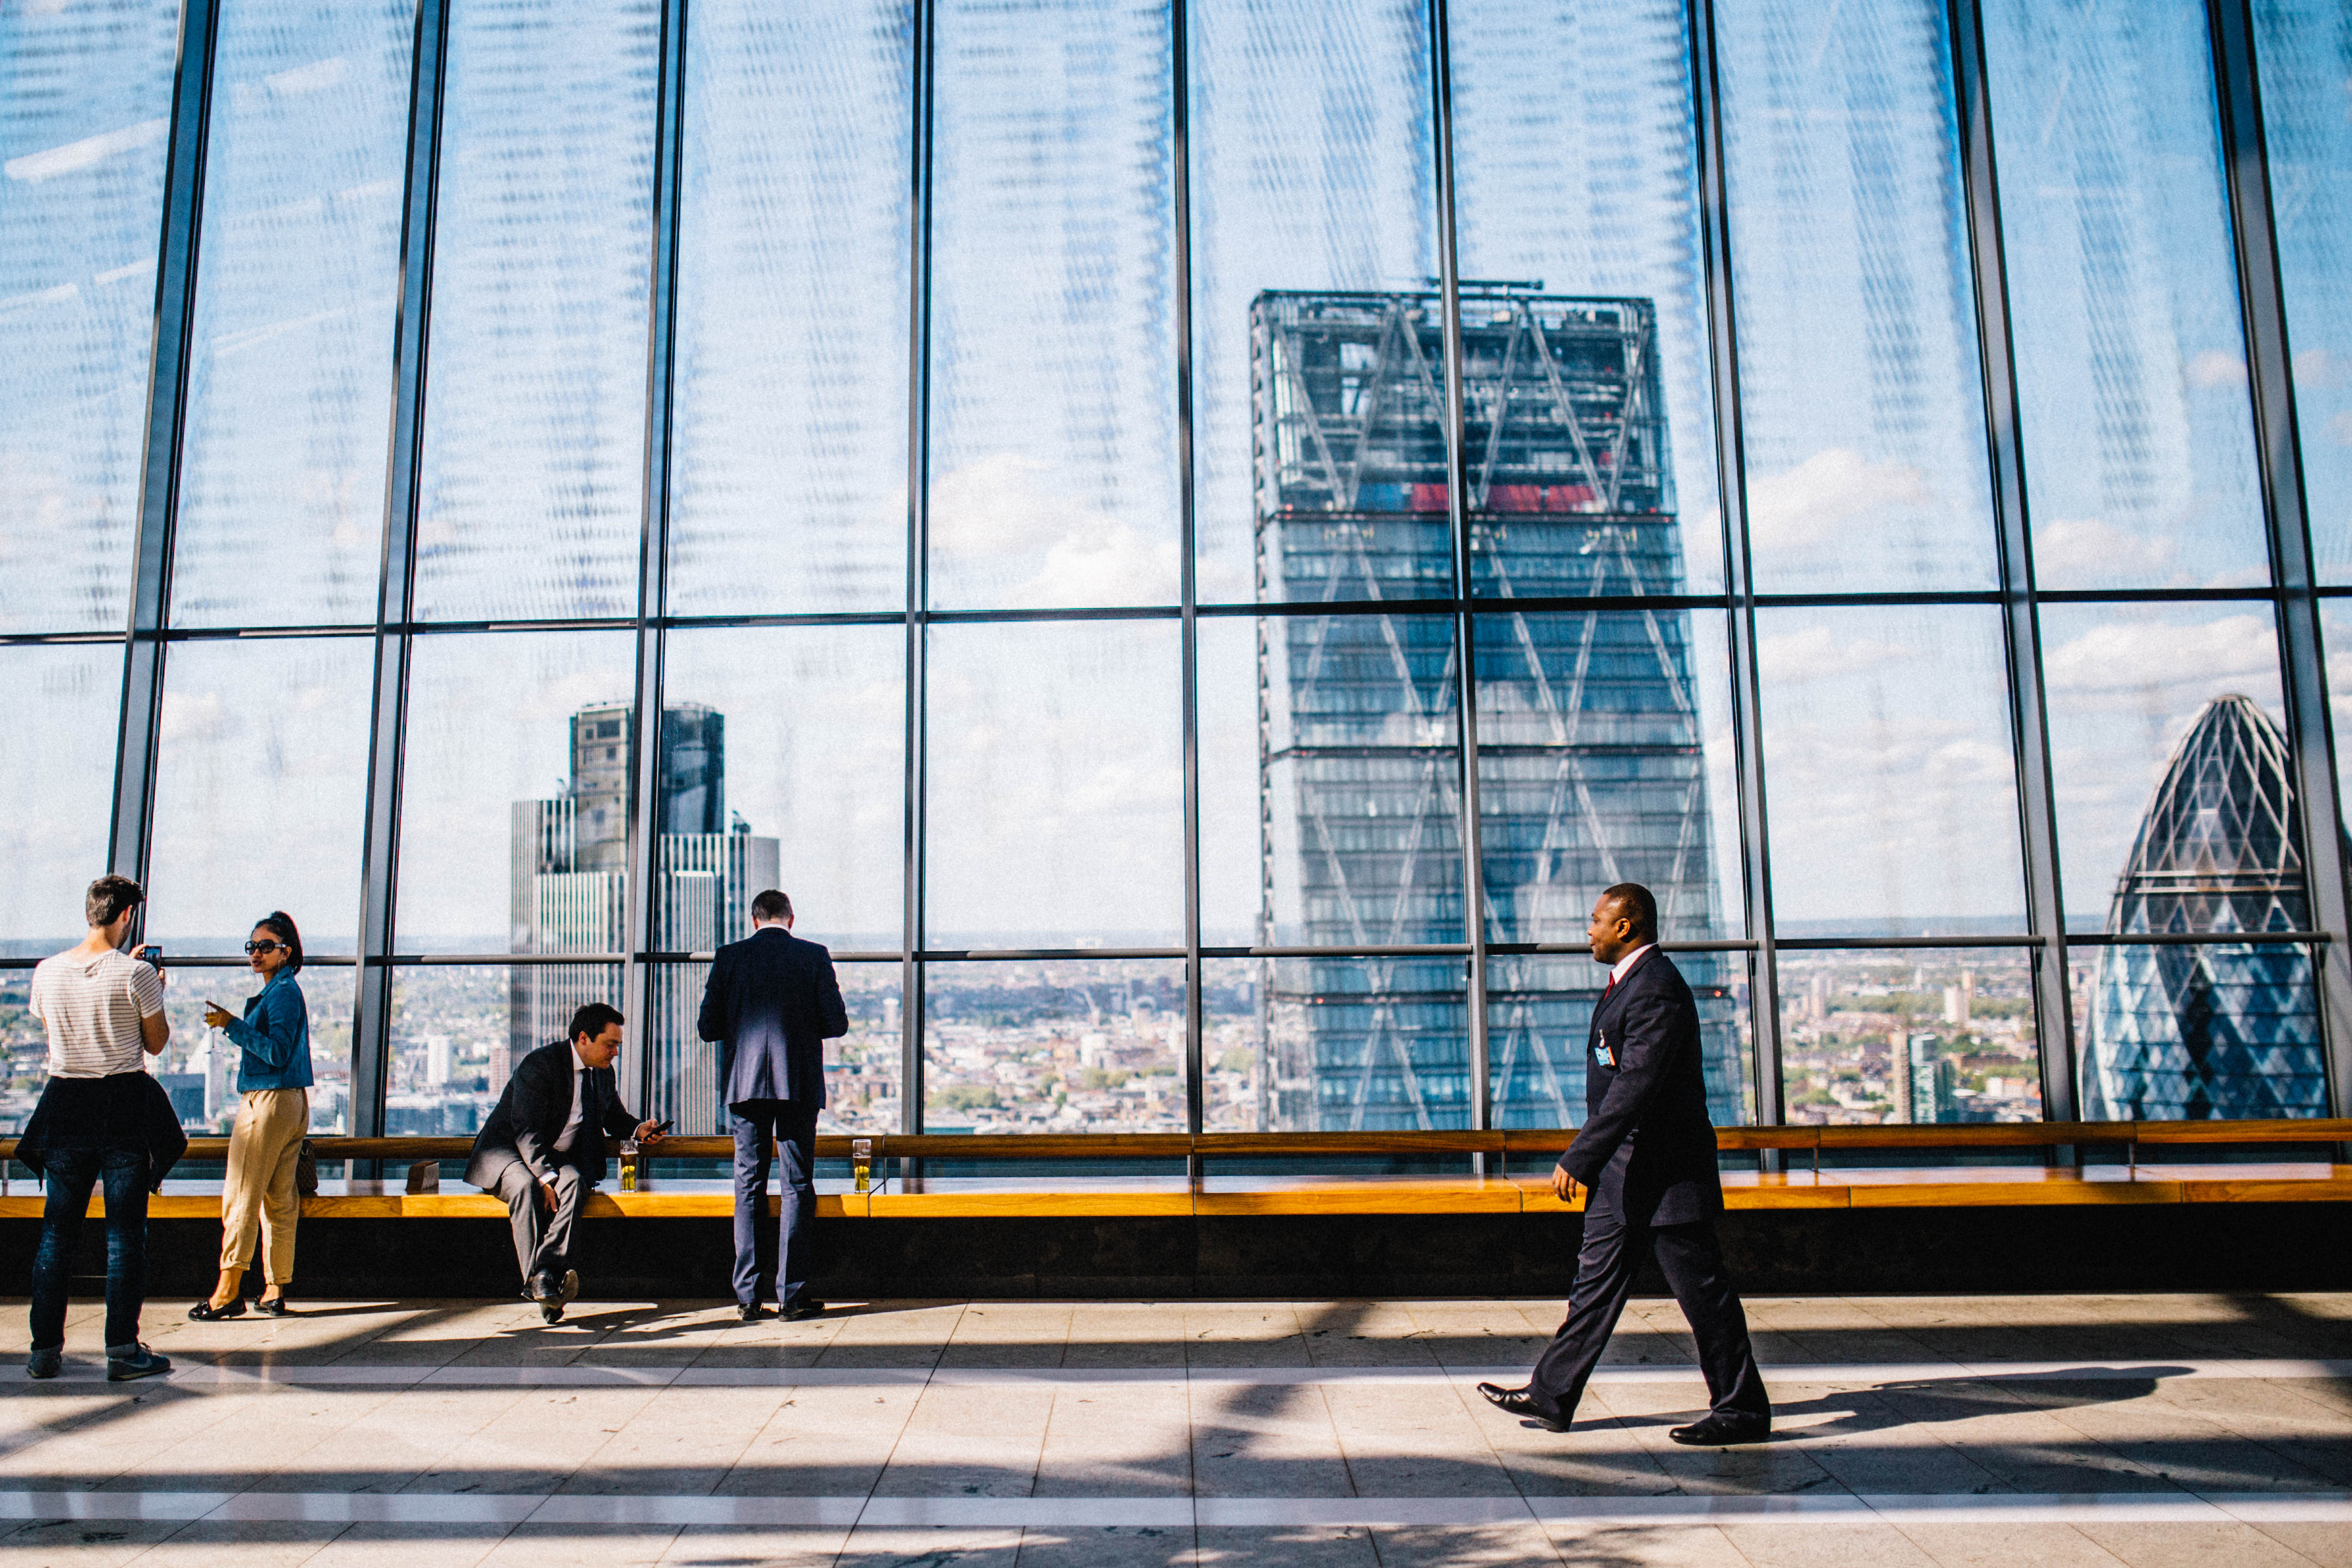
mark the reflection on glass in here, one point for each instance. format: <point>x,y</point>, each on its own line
<point>85,104</point>
<point>789,478</point>
<point>823,774</point>
<point>2335,637</point>
<point>1341,1045</point>
<point>2304,47</point>
<point>454,1042</point>
<point>1055,785</point>
<point>1312,169</point>
<point>861,1069</point>
<point>260,791</point>
<point>1081,1047</point>
<point>2131,367</point>
<point>2129,685</point>
<point>1053,404</point>
<point>1584,183</point>
<point>1914,1035</point>
<point>1539,1019</point>
<point>57,794</point>
<point>299,272</point>
<point>1860,396</point>
<point>1893,795</point>
<point>199,1068</point>
<point>514,820</point>
<point>2191,1033</point>
<point>533,470</point>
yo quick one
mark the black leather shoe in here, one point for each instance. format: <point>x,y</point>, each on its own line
<point>752,1311</point>
<point>1521,1401</point>
<point>1721,1430</point>
<point>205,1312</point>
<point>270,1306</point>
<point>800,1308</point>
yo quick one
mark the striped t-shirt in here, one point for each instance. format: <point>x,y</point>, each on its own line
<point>92,1007</point>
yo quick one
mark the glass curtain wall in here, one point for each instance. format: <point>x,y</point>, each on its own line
<point>1239,511</point>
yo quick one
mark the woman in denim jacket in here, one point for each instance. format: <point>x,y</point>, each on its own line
<point>274,1078</point>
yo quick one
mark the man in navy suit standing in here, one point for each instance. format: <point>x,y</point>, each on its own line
<point>770,1004</point>
<point>1645,1156</point>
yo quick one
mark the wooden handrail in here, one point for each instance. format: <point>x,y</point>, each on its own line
<point>1312,1145</point>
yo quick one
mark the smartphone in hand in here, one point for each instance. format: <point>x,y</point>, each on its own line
<point>151,953</point>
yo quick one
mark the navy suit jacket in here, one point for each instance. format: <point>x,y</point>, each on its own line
<point>1646,1149</point>
<point>770,1004</point>
<point>533,1108</point>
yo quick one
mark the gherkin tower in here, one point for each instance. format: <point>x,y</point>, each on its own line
<point>2226,1029</point>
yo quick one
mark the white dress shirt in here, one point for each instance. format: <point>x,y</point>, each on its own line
<point>571,1123</point>
<point>1617,972</point>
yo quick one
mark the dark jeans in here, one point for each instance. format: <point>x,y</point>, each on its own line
<point>1693,1264</point>
<point>71,1175</point>
<point>777,1248</point>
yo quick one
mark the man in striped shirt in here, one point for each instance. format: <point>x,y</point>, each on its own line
<point>104,1012</point>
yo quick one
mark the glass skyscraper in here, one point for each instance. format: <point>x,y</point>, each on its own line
<point>1590,770</point>
<point>2225,1030</point>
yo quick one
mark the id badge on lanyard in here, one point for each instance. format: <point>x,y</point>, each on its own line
<point>1602,1052</point>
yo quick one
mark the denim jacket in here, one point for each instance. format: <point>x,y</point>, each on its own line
<point>275,1034</point>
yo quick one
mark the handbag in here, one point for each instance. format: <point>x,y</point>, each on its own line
<point>306,1170</point>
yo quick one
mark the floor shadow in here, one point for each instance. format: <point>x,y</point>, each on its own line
<point>1928,1402</point>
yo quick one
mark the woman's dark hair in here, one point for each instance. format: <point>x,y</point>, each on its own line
<point>281,924</point>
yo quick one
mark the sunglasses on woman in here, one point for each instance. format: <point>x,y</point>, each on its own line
<point>253,947</point>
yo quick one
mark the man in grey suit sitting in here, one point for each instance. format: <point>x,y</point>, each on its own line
<point>770,1004</point>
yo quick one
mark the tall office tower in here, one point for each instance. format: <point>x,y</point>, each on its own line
<point>1590,770</point>
<point>570,872</point>
<point>2228,1030</point>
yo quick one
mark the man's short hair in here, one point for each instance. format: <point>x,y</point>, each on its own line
<point>1638,904</point>
<point>771,905</point>
<point>108,897</point>
<point>592,1019</point>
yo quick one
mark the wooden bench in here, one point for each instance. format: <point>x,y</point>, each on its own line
<point>1204,1191</point>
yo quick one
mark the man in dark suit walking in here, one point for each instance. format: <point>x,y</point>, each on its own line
<point>543,1148</point>
<point>1646,1157</point>
<point>770,1004</point>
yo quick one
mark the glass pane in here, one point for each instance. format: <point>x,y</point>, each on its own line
<point>1052,403</point>
<point>2227,1032</point>
<point>2305,50</point>
<point>2335,637</point>
<point>1330,782</point>
<point>1605,755</point>
<point>57,788</point>
<point>1055,777</point>
<point>2131,368</point>
<point>517,757</point>
<point>1861,394</point>
<point>1918,1034</point>
<point>1584,183</point>
<point>824,772</point>
<point>533,471</point>
<point>790,450</point>
<point>289,386</point>
<point>85,106</point>
<point>1092,1047</point>
<point>861,1069</point>
<point>1891,789</point>
<point>2169,754</point>
<point>1341,1045</point>
<point>459,1029</point>
<point>1312,170</point>
<point>1539,1018</point>
<point>260,791</point>
<point>199,1068</point>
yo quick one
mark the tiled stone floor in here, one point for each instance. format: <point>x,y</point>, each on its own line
<point>2142,1430</point>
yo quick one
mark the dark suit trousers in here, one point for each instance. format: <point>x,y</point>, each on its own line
<point>779,1249</point>
<point>542,1241</point>
<point>1693,1265</point>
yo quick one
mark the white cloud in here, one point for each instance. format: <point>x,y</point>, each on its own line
<point>2316,367</point>
<point>1825,496</point>
<point>2215,367</point>
<point>90,151</point>
<point>1000,509</point>
<point>1815,654</point>
<point>2138,656</point>
<point>2341,429</point>
<point>194,716</point>
<point>2091,547</point>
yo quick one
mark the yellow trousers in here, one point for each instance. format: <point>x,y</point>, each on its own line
<point>260,1192</point>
